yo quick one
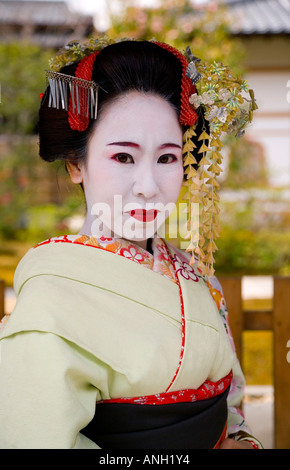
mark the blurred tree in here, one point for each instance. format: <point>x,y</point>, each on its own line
<point>25,181</point>
<point>181,23</point>
<point>22,80</point>
<point>242,155</point>
<point>35,197</point>
<point>17,184</point>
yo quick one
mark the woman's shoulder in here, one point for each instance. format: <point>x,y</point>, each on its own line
<point>50,243</point>
<point>34,253</point>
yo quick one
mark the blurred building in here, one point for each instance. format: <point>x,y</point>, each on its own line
<point>263,26</point>
<point>50,24</point>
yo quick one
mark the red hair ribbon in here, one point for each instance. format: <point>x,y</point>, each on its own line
<point>79,122</point>
<point>188,116</point>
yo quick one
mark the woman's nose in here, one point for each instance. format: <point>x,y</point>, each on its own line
<point>145,183</point>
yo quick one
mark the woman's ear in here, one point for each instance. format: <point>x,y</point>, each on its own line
<point>75,172</point>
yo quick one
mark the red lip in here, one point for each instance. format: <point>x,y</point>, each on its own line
<point>143,215</point>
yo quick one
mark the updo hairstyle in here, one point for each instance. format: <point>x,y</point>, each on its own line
<point>118,69</point>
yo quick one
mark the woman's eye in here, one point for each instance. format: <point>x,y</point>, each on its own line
<point>123,158</point>
<point>167,158</point>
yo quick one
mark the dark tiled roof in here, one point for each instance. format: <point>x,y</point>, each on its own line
<point>251,17</point>
<point>47,23</point>
<point>39,13</point>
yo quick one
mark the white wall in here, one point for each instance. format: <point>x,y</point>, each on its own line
<point>271,124</point>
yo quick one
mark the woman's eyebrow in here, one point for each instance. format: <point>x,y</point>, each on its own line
<point>125,144</point>
<point>133,144</point>
<point>169,144</point>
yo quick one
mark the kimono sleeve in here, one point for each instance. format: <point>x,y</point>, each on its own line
<point>48,392</point>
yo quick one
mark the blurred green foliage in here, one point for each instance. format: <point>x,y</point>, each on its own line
<point>242,155</point>
<point>31,206</point>
<point>22,80</point>
<point>36,198</point>
<point>17,176</point>
<point>244,252</point>
<point>254,236</point>
<point>181,23</point>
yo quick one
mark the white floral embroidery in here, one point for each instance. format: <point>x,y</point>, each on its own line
<point>184,269</point>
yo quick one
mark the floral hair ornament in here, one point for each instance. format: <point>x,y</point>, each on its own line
<point>212,88</point>
<point>226,110</point>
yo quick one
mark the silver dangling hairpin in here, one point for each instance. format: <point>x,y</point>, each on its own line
<point>84,93</point>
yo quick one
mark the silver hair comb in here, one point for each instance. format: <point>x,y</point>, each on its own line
<point>84,94</point>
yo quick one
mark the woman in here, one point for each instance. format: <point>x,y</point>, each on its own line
<point>118,340</point>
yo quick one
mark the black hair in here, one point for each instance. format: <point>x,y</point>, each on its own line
<point>118,68</point>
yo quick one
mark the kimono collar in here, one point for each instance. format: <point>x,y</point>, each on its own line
<point>158,261</point>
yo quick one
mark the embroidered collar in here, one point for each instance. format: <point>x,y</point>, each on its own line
<point>159,261</point>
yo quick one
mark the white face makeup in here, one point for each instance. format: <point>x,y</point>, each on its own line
<point>134,169</point>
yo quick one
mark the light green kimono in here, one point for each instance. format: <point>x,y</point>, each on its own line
<point>90,325</point>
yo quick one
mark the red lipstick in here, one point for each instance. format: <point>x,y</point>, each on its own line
<point>144,216</point>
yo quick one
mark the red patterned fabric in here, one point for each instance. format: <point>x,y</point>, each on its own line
<point>207,390</point>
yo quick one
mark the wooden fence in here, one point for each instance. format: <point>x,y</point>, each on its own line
<point>277,320</point>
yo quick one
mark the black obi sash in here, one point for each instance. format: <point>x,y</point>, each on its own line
<point>189,425</point>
